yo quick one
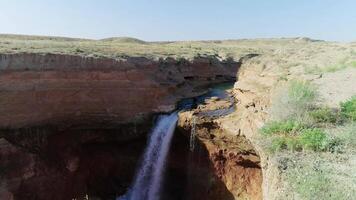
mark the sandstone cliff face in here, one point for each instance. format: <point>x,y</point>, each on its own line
<point>233,169</point>
<point>254,93</point>
<point>74,125</point>
<point>63,114</point>
<point>234,163</point>
<point>234,145</point>
<point>37,89</point>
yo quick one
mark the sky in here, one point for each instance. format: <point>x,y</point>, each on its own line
<point>167,20</point>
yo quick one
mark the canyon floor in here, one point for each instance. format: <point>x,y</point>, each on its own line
<point>239,162</point>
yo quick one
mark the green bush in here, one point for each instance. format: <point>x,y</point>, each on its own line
<point>314,139</point>
<point>278,144</point>
<point>301,93</point>
<point>324,115</point>
<point>348,109</point>
<point>353,64</point>
<point>294,122</point>
<point>294,144</point>
<point>78,50</point>
<point>294,101</point>
<point>308,139</point>
<point>285,142</point>
<point>287,127</point>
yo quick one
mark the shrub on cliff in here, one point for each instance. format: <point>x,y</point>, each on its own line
<point>324,115</point>
<point>305,139</point>
<point>347,135</point>
<point>297,121</point>
<point>294,101</point>
<point>301,93</point>
<point>313,139</point>
<point>295,117</point>
<point>285,142</point>
<point>348,109</point>
<point>286,127</point>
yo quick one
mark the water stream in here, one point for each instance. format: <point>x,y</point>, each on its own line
<point>147,183</point>
<point>148,178</point>
<point>192,135</point>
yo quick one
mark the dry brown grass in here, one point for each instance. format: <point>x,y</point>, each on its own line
<point>285,53</point>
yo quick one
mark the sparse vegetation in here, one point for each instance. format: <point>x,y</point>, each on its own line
<point>296,129</point>
<point>314,139</point>
<point>301,94</point>
<point>306,139</point>
<point>304,126</point>
<point>283,78</point>
<point>322,138</point>
<point>279,144</point>
<point>288,127</point>
<point>353,64</point>
<point>347,135</point>
<point>348,109</point>
<point>324,115</point>
<point>301,91</point>
<point>334,68</point>
<point>317,183</point>
<point>342,64</point>
<point>78,50</point>
<point>122,47</point>
<point>294,101</point>
<point>285,142</point>
<point>311,178</point>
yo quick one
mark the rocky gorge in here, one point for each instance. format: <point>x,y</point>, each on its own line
<point>73,127</point>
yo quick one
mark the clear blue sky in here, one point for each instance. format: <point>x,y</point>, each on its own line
<point>154,20</point>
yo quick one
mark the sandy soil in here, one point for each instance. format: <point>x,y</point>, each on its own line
<point>337,86</point>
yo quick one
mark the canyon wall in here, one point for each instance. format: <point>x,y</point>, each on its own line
<point>72,125</point>
<point>224,166</point>
<point>235,148</point>
<point>62,115</point>
<point>65,90</point>
<point>254,92</point>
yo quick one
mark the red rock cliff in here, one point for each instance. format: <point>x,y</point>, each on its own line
<point>37,89</point>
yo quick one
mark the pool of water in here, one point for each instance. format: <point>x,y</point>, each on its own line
<point>219,90</point>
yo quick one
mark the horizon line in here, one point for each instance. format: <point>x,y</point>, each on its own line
<point>158,41</point>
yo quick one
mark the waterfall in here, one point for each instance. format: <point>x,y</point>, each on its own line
<point>192,135</point>
<point>147,183</point>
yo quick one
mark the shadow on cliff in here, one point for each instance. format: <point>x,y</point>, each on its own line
<point>190,174</point>
<point>68,164</point>
<point>71,164</point>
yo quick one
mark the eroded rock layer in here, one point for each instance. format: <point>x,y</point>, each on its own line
<point>37,89</point>
<point>73,126</point>
<point>232,165</point>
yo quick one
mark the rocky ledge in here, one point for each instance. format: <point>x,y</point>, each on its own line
<point>232,158</point>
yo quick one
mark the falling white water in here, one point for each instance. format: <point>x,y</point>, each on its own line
<point>192,135</point>
<point>148,179</point>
